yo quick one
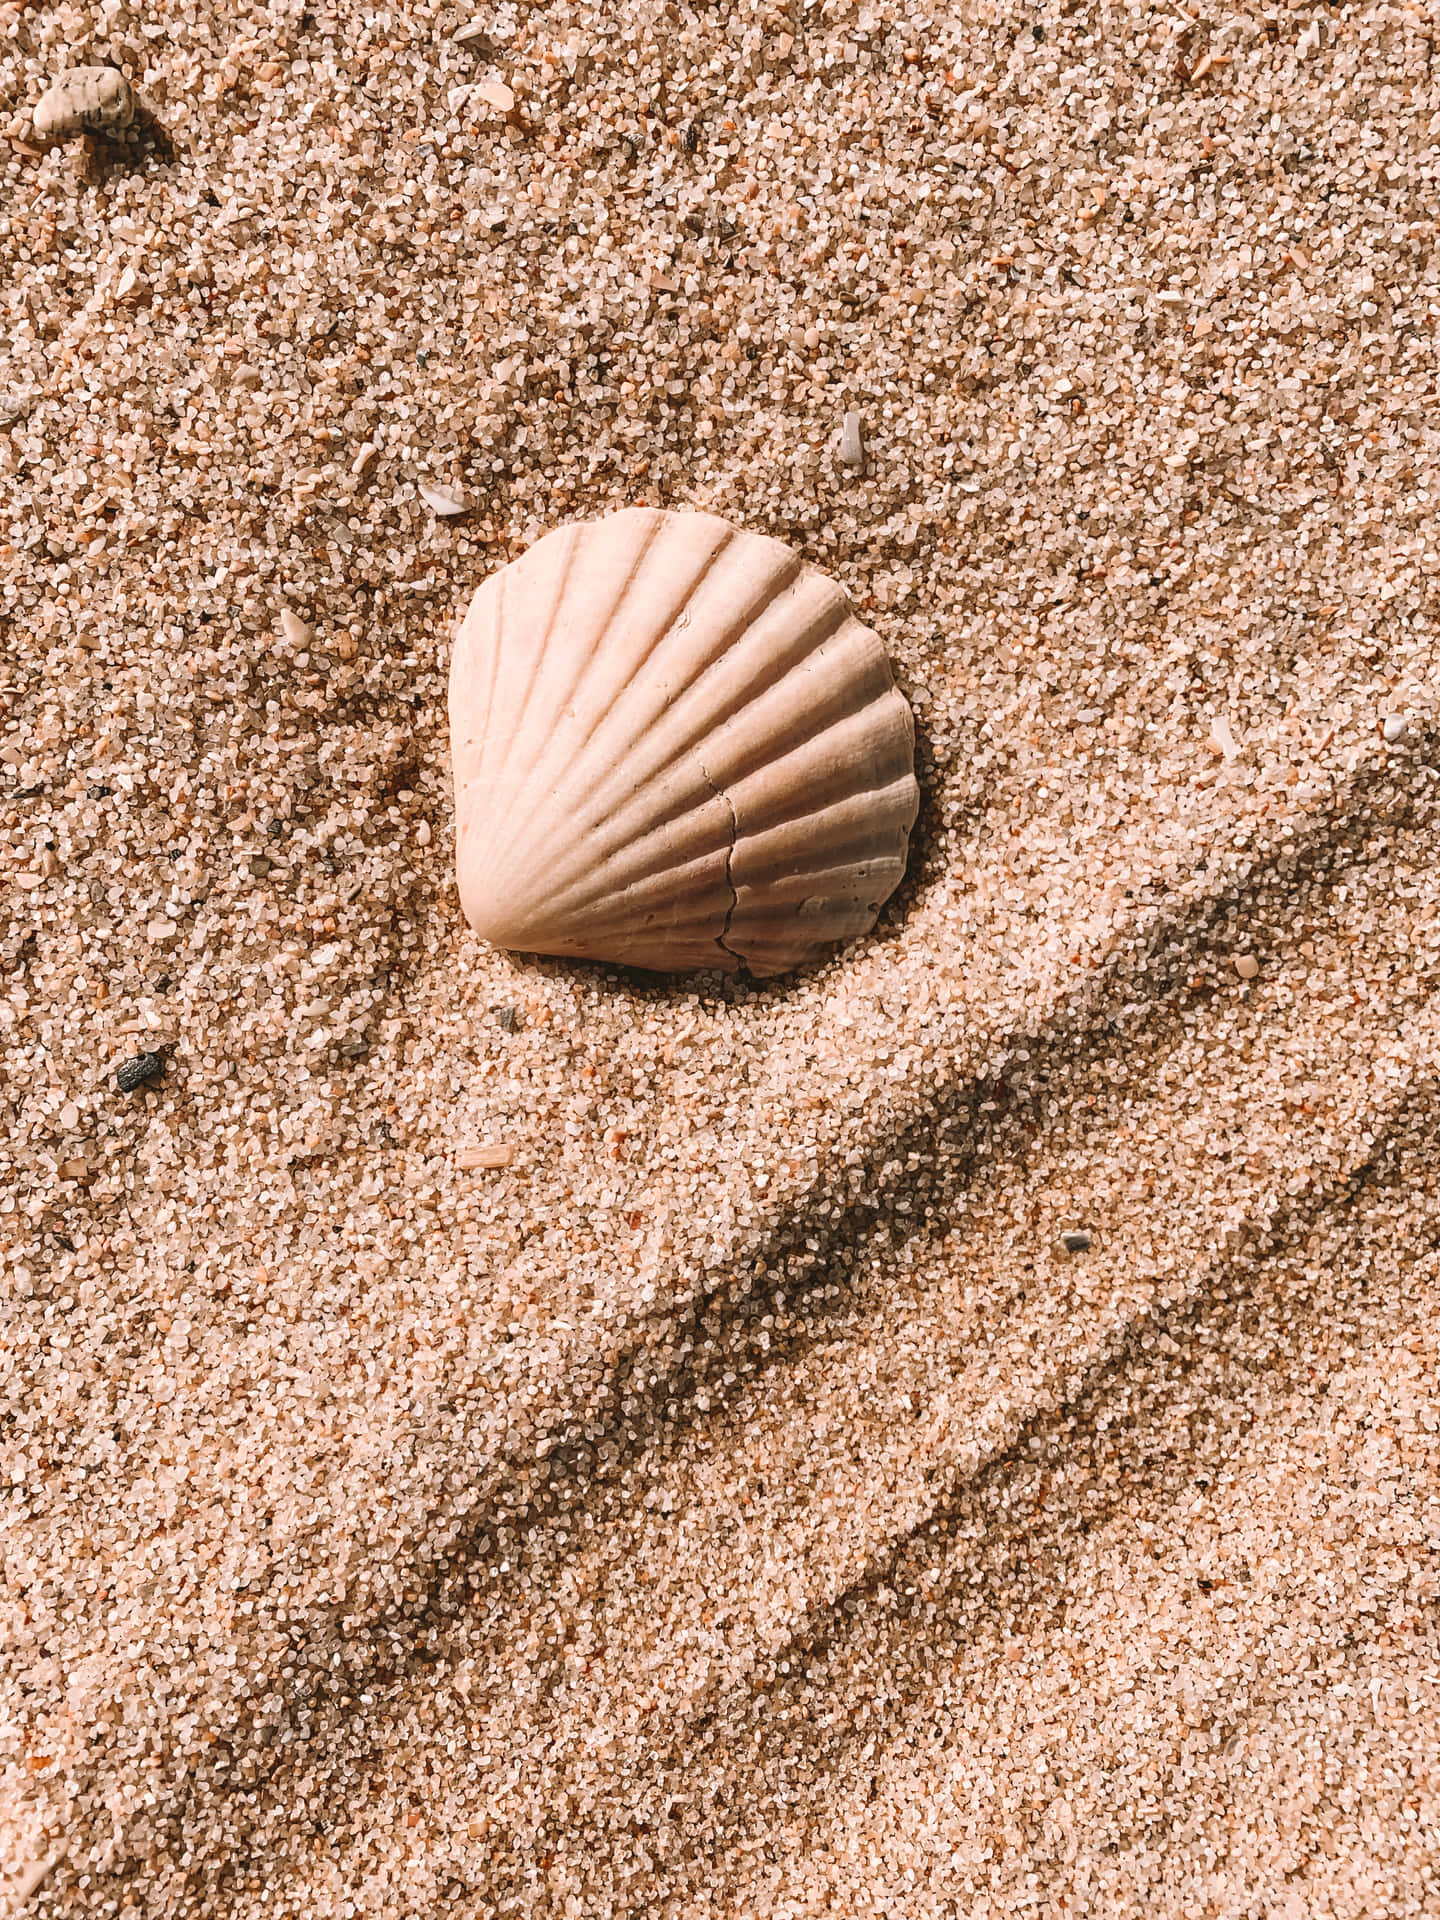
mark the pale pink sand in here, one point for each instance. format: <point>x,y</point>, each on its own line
<point>739,1504</point>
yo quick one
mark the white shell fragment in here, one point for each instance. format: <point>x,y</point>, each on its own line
<point>494,93</point>
<point>473,33</point>
<point>296,633</point>
<point>499,1154</point>
<point>85,100</point>
<point>675,747</point>
<point>442,500</point>
<point>852,447</point>
<point>1395,728</point>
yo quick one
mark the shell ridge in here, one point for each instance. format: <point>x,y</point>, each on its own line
<point>512,848</point>
<point>827,620</point>
<point>597,880</point>
<point>503,845</point>
<point>583,798</point>
<point>721,936</point>
<point>582,746</point>
<point>496,611</point>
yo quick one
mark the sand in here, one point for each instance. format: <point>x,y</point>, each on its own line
<point>734,1498</point>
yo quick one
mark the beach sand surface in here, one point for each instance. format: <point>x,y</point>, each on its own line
<point>736,1498</point>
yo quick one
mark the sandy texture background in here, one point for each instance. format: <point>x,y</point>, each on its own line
<point>740,1504</point>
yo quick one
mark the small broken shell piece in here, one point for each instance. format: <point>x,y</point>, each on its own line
<point>498,1155</point>
<point>474,33</point>
<point>365,457</point>
<point>495,94</point>
<point>444,501</point>
<point>852,447</point>
<point>294,628</point>
<point>1222,738</point>
<point>85,100</point>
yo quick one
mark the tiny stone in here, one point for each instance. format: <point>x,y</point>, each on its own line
<point>274,828</point>
<point>490,1157</point>
<point>160,931</point>
<point>1246,965</point>
<point>85,100</point>
<point>422,834</point>
<point>1077,1241</point>
<point>73,1169</point>
<point>135,1072</point>
<point>294,628</point>
<point>852,447</point>
<point>260,866</point>
<point>364,459</point>
<point>1396,728</point>
<point>505,1019</point>
<point>474,33</point>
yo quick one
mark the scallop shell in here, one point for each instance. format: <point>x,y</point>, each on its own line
<point>675,747</point>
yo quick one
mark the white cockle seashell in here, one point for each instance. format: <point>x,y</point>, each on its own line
<point>675,747</point>
<point>85,100</point>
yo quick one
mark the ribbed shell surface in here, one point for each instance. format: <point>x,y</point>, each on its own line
<point>674,747</point>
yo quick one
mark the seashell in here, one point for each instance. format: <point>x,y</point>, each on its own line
<point>442,500</point>
<point>85,100</point>
<point>494,93</point>
<point>675,747</point>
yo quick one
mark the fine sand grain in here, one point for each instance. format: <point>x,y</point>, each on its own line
<point>495,1437</point>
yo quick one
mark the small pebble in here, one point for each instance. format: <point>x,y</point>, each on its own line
<point>294,628</point>
<point>1246,965</point>
<point>498,1155</point>
<point>1396,729</point>
<point>495,94</point>
<point>444,501</point>
<point>260,866</point>
<point>135,1072</point>
<point>1077,1241</point>
<point>505,1019</point>
<point>85,100</point>
<point>474,33</point>
<point>422,834</point>
<point>852,447</point>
